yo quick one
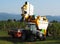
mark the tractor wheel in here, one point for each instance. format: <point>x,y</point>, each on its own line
<point>32,38</point>
<point>23,37</point>
<point>12,36</point>
<point>43,38</point>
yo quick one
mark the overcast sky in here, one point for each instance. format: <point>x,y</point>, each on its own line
<point>41,7</point>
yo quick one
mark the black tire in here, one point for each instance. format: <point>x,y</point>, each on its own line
<point>43,38</point>
<point>13,36</point>
<point>23,37</point>
<point>32,38</point>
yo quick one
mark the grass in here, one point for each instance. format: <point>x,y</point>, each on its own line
<point>5,39</point>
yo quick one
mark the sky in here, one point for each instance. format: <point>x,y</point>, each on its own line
<point>41,7</point>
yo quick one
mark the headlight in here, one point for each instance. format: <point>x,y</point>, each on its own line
<point>18,30</point>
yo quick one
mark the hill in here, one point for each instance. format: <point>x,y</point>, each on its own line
<point>6,16</point>
<point>51,18</point>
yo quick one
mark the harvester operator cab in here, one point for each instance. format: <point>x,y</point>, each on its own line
<point>27,10</point>
<point>32,27</point>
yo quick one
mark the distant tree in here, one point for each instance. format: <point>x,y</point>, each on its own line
<point>54,29</point>
<point>54,21</point>
<point>9,20</point>
<point>14,19</point>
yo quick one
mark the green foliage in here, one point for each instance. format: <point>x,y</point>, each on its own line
<point>6,25</point>
<point>54,29</point>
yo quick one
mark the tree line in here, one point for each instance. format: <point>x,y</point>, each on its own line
<point>53,28</point>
